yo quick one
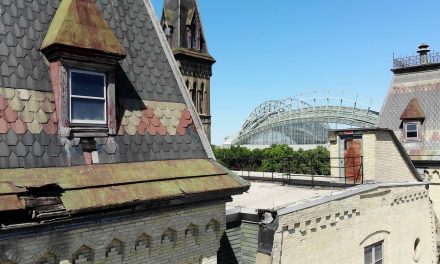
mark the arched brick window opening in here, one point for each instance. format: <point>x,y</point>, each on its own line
<point>201,93</point>
<point>143,243</point>
<point>192,231</point>
<point>169,236</point>
<point>194,94</point>
<point>213,226</point>
<point>83,255</point>
<point>115,249</point>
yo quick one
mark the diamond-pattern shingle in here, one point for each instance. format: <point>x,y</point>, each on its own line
<point>154,122</point>
<point>423,88</point>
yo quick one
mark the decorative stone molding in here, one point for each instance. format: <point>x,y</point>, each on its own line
<point>409,198</point>
<point>323,222</point>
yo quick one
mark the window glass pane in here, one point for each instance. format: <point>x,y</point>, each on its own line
<point>88,109</point>
<point>411,127</point>
<point>379,262</point>
<point>194,97</point>
<point>411,134</point>
<point>85,84</point>
<point>378,252</point>
<point>368,256</point>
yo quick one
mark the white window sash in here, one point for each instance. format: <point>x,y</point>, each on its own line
<point>412,130</point>
<point>85,121</point>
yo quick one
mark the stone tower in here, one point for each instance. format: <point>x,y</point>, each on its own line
<point>182,26</point>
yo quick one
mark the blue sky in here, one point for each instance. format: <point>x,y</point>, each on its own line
<point>276,49</point>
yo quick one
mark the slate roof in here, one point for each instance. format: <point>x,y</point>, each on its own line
<point>424,88</point>
<point>145,75</point>
<point>157,125</point>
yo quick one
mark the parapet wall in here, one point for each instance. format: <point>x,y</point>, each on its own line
<point>339,230</point>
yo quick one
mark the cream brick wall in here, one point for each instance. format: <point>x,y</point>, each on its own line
<point>338,231</point>
<point>139,239</point>
<point>390,167</point>
<point>382,161</point>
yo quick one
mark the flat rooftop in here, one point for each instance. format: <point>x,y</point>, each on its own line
<point>274,195</point>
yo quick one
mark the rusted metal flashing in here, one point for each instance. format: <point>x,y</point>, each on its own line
<point>413,111</point>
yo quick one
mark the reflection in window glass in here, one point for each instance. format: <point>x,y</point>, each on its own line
<point>84,84</point>
<point>87,97</point>
<point>88,109</point>
<point>411,131</point>
<point>373,254</point>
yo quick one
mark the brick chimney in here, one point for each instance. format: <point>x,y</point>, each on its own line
<point>423,52</point>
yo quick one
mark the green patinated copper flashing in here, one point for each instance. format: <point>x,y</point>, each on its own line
<point>110,174</point>
<point>105,197</point>
<point>88,188</point>
<point>79,23</point>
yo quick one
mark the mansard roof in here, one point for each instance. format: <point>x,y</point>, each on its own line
<point>158,130</point>
<point>415,96</point>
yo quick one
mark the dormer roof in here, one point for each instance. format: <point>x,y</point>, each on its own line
<point>79,24</point>
<point>413,111</point>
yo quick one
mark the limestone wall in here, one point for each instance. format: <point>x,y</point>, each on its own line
<point>339,230</point>
<point>190,235</point>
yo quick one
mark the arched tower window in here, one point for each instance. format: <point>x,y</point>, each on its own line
<point>193,36</point>
<point>201,93</point>
<point>194,93</point>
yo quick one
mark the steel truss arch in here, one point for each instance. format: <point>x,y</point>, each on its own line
<point>307,115</point>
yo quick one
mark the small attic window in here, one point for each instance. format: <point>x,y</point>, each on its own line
<point>411,130</point>
<point>87,97</point>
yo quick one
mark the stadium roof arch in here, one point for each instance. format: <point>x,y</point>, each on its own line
<point>303,119</point>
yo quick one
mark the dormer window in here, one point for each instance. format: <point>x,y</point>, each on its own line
<point>412,120</point>
<point>87,97</point>
<point>83,69</point>
<point>412,130</point>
